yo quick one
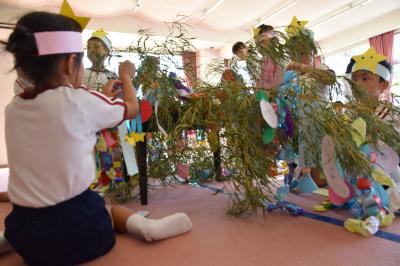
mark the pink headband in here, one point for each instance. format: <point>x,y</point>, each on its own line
<point>59,42</point>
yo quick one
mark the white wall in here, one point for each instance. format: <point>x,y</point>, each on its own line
<point>204,58</point>
<point>351,36</point>
<point>226,50</point>
<point>6,94</point>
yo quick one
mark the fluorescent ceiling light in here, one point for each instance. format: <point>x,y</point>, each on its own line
<point>211,9</point>
<point>340,11</point>
<point>279,11</point>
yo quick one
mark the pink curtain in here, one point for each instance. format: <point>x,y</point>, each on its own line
<point>317,60</point>
<point>383,44</point>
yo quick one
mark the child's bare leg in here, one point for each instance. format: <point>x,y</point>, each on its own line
<point>4,197</point>
<point>125,220</point>
<point>4,245</point>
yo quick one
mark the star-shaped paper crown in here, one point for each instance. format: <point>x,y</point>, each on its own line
<point>295,26</point>
<point>67,11</point>
<point>102,35</point>
<point>255,31</point>
<point>370,61</point>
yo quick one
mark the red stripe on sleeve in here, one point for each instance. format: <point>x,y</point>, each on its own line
<point>111,102</point>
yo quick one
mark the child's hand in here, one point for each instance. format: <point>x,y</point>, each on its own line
<point>293,66</point>
<point>112,88</point>
<point>127,70</point>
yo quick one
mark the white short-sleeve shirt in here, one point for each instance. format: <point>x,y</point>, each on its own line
<point>50,142</point>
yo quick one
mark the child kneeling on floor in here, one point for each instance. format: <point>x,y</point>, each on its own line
<point>50,134</point>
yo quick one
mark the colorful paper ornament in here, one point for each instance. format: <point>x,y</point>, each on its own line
<point>146,110</point>
<point>135,133</point>
<point>111,174</point>
<point>104,180</point>
<point>117,165</point>
<point>268,135</point>
<point>101,145</point>
<point>110,141</point>
<point>268,113</point>
<point>133,137</point>
<point>306,184</point>
<point>360,131</point>
<point>363,183</point>
<point>382,178</point>
<point>106,159</point>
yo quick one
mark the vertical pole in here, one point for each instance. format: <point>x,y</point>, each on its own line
<point>141,150</point>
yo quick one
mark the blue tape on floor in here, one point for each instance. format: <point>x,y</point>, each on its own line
<point>382,234</point>
<point>323,218</point>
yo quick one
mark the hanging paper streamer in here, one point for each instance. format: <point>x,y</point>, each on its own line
<point>387,158</point>
<point>158,123</point>
<point>289,124</point>
<point>128,151</point>
<point>135,131</point>
<point>339,190</point>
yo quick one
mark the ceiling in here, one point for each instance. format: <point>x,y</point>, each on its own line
<point>230,20</point>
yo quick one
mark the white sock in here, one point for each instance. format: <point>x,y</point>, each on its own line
<point>4,245</point>
<point>151,230</point>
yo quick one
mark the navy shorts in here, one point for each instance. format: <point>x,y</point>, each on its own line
<point>71,232</point>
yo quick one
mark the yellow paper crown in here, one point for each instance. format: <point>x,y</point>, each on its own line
<point>370,61</point>
<point>295,26</point>
<point>255,31</point>
<point>67,11</point>
<point>100,33</point>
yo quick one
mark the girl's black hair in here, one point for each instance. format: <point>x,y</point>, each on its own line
<point>22,44</point>
<point>237,46</point>
<point>265,28</point>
